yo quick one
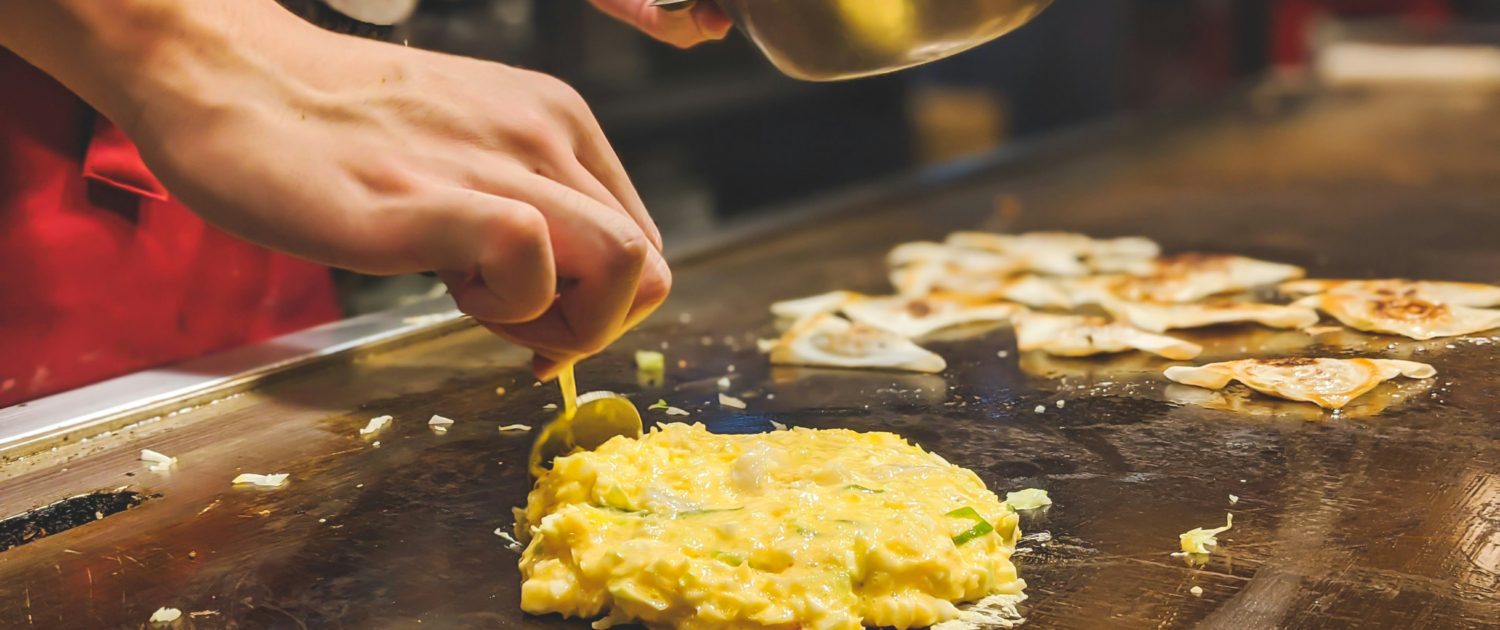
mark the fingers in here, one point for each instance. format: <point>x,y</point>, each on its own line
<point>585,161</point>
<point>711,21</point>
<point>545,369</point>
<point>597,172</point>
<point>596,156</point>
<point>683,29</point>
<point>495,255</point>
<point>654,287</point>
<point>606,259</point>
<point>550,335</point>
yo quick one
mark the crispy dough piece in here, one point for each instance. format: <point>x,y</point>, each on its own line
<point>812,305</point>
<point>955,258</point>
<point>1079,336</point>
<point>905,316</point>
<point>1246,402</point>
<point>1328,383</point>
<point>831,341</point>
<point>1028,289</point>
<point>918,279</point>
<point>917,316</point>
<point>1063,253</point>
<point>1158,317</point>
<point>1459,293</point>
<point>1409,317</point>
<point>1186,278</point>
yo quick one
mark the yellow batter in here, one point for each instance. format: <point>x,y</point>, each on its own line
<point>791,529</point>
<point>569,388</point>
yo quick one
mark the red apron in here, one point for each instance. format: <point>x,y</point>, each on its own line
<point>101,272</point>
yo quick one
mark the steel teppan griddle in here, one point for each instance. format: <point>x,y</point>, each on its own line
<point>1385,516</point>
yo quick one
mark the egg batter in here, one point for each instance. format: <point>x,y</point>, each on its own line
<point>811,529</point>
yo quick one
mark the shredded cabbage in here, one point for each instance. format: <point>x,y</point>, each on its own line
<point>268,481</point>
<point>165,615</point>
<point>375,425</point>
<point>1028,499</point>
<point>156,461</point>
<point>650,366</point>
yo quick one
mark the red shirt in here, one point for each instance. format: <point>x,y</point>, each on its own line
<point>101,272</point>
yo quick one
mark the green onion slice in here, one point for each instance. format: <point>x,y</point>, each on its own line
<point>730,559</point>
<point>980,528</point>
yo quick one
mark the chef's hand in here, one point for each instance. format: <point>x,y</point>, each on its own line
<point>371,157</point>
<point>683,29</point>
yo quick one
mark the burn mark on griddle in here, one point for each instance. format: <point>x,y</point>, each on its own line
<point>64,515</point>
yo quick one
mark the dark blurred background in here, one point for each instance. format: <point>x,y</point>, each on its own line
<point>714,135</point>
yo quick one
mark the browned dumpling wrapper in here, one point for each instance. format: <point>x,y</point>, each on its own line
<point>954,258</point>
<point>917,316</point>
<point>1063,253</point>
<point>1459,293</point>
<point>1247,402</point>
<point>905,316</point>
<point>1160,317</point>
<point>799,308</point>
<point>828,340</point>
<point>1187,278</point>
<point>1028,289</point>
<point>1080,336</point>
<point>1328,383</point>
<point>1409,317</point>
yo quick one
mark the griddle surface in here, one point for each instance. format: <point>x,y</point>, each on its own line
<point>1387,520</point>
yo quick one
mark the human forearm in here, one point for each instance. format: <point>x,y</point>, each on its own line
<point>117,54</point>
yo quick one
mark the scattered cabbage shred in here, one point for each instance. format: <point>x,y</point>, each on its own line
<point>651,365</point>
<point>155,460</point>
<point>1028,499</point>
<point>515,427</point>
<point>1199,540</point>
<point>375,425</point>
<point>510,541</point>
<point>730,401</point>
<point>165,615</point>
<point>661,404</point>
<point>268,481</point>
